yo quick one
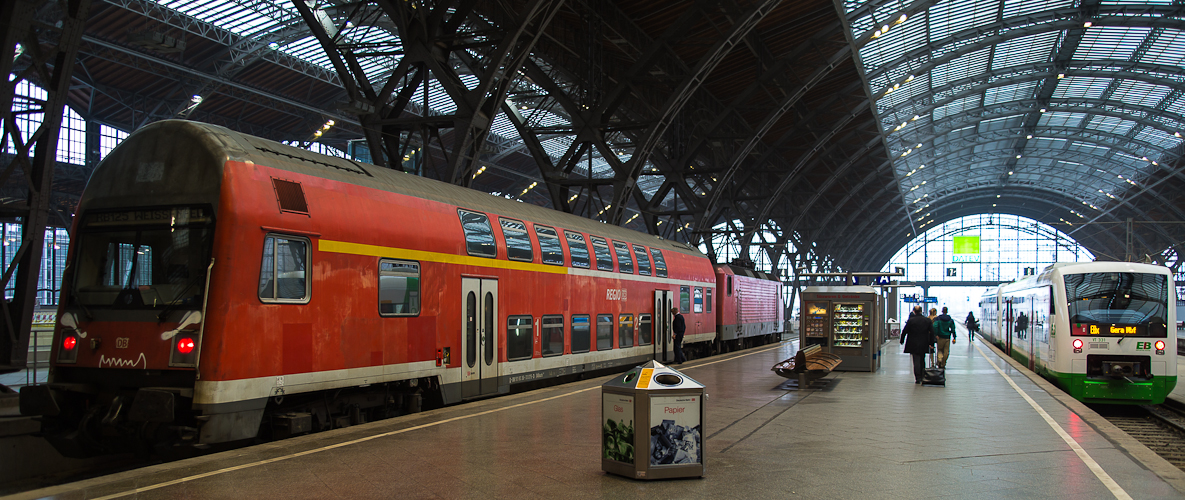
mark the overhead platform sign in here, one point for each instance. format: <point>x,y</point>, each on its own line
<point>966,249</point>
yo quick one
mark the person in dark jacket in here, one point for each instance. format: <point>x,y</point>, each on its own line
<point>679,327</point>
<point>944,329</point>
<point>1022,325</point>
<point>972,326</point>
<point>918,337</point>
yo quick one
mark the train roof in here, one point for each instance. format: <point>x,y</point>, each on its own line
<point>744,271</point>
<point>276,155</point>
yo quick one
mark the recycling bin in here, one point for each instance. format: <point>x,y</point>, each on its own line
<point>671,405</point>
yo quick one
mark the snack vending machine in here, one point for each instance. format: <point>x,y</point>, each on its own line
<point>843,321</point>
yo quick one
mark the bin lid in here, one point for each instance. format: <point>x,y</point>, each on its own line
<point>653,376</point>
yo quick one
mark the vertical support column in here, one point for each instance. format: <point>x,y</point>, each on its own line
<point>51,68</point>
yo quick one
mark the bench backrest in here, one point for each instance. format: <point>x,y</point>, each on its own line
<point>812,350</point>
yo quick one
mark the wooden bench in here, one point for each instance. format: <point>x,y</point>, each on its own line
<point>807,365</point>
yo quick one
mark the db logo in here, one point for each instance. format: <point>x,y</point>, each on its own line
<point>121,342</point>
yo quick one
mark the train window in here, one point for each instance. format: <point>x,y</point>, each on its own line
<point>580,333</point>
<point>553,335</point>
<point>518,241</point>
<point>625,330</point>
<point>471,329</point>
<point>520,338</point>
<point>479,237</point>
<point>550,250</point>
<point>698,306</point>
<point>643,260</point>
<point>708,302</point>
<point>604,332</point>
<point>660,265</point>
<point>684,299</point>
<point>578,248</point>
<point>644,329</point>
<point>282,274</point>
<point>601,249</point>
<point>625,264</point>
<point>399,287</point>
<point>730,285</point>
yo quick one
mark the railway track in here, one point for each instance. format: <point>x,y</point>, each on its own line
<point>1160,428</point>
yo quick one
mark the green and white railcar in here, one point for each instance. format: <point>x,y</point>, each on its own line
<point>1099,330</point>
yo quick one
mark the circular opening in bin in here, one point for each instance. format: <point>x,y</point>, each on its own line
<point>630,376</point>
<point>668,379</point>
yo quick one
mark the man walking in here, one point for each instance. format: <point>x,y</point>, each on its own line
<point>679,327</point>
<point>918,337</point>
<point>944,329</point>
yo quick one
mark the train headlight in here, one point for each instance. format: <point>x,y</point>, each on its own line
<point>1159,347</point>
<point>1077,346</point>
<point>68,350</point>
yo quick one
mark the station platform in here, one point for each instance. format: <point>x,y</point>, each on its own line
<point>992,432</point>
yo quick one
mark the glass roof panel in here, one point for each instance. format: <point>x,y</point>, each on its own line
<point>1015,9</point>
<point>1140,93</point>
<point>1025,50</point>
<point>1014,92</point>
<point>1089,87</point>
<point>1110,124</point>
<point>1110,42</point>
<point>1167,48</point>
<point>964,66</point>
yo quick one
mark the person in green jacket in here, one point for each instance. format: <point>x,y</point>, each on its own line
<point>944,329</point>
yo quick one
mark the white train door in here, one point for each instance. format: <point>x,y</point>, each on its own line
<point>664,342</point>
<point>479,331</point>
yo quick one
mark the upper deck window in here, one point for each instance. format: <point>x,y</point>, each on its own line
<point>479,237</point>
<point>624,263</point>
<point>643,260</point>
<point>550,249</point>
<point>518,240</point>
<point>604,257</point>
<point>660,265</point>
<point>578,249</point>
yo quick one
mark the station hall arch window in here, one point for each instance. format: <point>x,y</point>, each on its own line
<point>399,287</point>
<point>550,250</point>
<point>578,249</point>
<point>624,263</point>
<point>479,237</point>
<point>518,241</point>
<point>604,332</point>
<point>520,338</point>
<point>282,275</point>
<point>581,333</point>
<point>552,329</point>
<point>604,256</point>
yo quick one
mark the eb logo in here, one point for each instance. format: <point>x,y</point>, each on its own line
<point>1143,346</point>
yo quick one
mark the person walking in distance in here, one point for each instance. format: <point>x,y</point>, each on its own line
<point>679,327</point>
<point>944,329</point>
<point>918,338</point>
<point>972,326</point>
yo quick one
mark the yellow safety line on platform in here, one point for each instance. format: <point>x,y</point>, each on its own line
<point>1086,458</point>
<point>362,440</point>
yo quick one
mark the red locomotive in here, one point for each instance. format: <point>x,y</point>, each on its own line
<point>222,287</point>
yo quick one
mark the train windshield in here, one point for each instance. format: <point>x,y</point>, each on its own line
<point>143,258</point>
<point>1117,298</point>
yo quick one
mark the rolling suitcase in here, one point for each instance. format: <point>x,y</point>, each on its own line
<point>934,375</point>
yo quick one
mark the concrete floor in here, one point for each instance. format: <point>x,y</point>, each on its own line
<point>868,435</point>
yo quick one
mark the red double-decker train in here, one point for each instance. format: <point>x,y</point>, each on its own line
<point>221,287</point>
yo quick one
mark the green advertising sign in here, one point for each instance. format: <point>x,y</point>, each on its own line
<point>966,249</point>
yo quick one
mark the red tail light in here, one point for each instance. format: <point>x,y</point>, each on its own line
<point>69,343</point>
<point>1160,345</point>
<point>1078,343</point>
<point>185,345</point>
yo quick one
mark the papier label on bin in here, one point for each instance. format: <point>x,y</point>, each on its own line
<point>644,378</point>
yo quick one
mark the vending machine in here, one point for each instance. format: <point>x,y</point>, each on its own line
<point>843,320</point>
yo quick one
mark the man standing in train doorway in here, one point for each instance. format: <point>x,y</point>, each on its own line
<point>679,327</point>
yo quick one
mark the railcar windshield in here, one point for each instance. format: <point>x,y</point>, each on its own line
<point>143,258</point>
<point>1118,298</point>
